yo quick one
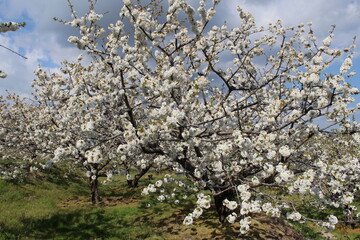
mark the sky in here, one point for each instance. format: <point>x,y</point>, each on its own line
<point>44,41</point>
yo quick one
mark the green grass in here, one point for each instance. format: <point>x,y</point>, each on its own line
<point>58,207</point>
<point>24,204</point>
<point>309,229</point>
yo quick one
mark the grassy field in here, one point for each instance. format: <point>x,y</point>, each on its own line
<point>59,208</point>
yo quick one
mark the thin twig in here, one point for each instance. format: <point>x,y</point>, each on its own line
<point>13,51</point>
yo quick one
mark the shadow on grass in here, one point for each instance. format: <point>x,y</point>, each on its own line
<point>89,223</point>
<point>125,214</point>
<point>60,177</point>
<point>138,221</point>
<point>75,225</point>
<point>53,178</point>
<point>169,221</point>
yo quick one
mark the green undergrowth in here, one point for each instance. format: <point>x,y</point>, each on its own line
<point>57,206</point>
<point>307,207</point>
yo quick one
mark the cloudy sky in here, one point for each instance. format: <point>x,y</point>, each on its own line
<point>44,41</point>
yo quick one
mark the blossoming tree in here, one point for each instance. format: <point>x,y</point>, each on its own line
<point>26,136</point>
<point>233,109</point>
<point>86,117</point>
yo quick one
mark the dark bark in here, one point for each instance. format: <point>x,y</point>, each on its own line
<point>94,186</point>
<point>221,195</point>
<point>134,182</point>
<point>223,211</point>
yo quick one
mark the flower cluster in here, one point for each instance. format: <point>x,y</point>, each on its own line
<point>10,26</point>
<point>94,156</point>
<point>203,202</point>
<point>245,225</point>
<point>295,216</point>
<point>230,204</point>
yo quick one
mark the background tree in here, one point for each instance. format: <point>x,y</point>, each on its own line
<point>85,114</point>
<point>27,139</point>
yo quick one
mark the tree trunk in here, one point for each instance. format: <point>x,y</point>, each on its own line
<point>134,182</point>
<point>94,190</point>
<point>222,211</point>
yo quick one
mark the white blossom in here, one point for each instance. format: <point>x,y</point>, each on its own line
<point>10,26</point>
<point>159,183</point>
<point>2,74</point>
<point>333,220</point>
<point>197,212</point>
<point>295,216</point>
<point>327,41</point>
<point>230,204</point>
<point>188,220</point>
<point>245,225</point>
<point>345,67</point>
<point>231,218</point>
<point>285,151</point>
<point>161,198</point>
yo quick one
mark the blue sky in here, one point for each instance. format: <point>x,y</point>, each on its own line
<point>44,41</point>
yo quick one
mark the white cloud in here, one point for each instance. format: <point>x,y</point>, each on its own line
<point>41,41</point>
<point>45,41</point>
<point>344,14</point>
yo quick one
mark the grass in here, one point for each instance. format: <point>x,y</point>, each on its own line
<point>310,230</point>
<point>55,207</point>
<point>24,204</point>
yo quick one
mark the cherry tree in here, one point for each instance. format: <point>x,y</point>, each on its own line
<point>85,113</point>
<point>338,170</point>
<point>27,141</point>
<point>235,110</point>
<point>9,143</point>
